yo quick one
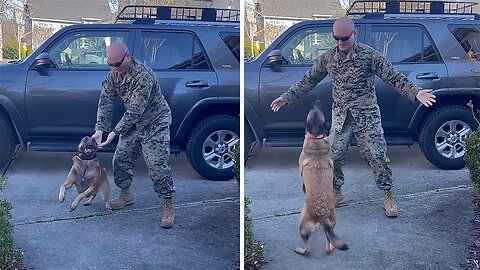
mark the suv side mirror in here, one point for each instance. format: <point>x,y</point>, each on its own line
<point>42,61</point>
<point>274,58</point>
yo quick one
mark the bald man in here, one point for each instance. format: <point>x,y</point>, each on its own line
<point>352,67</point>
<point>144,128</point>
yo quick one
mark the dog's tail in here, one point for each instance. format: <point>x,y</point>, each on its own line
<point>332,237</point>
<point>317,105</point>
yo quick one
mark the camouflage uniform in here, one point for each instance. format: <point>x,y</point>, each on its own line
<point>143,128</point>
<point>355,109</point>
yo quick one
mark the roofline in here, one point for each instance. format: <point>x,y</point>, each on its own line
<point>53,20</point>
<point>286,18</point>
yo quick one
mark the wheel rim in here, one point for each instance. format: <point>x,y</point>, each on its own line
<point>450,138</point>
<point>218,149</point>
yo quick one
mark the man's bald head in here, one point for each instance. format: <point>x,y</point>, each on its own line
<point>116,53</point>
<point>117,48</point>
<point>343,28</point>
<point>344,24</point>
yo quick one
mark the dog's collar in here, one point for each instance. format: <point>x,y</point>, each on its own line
<point>311,136</point>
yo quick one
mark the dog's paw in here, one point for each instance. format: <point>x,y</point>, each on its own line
<point>87,203</point>
<point>108,207</point>
<point>72,207</point>
<point>329,248</point>
<point>61,197</point>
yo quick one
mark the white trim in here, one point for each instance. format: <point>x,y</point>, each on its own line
<point>286,18</point>
<point>54,20</point>
<point>65,21</point>
<point>90,19</point>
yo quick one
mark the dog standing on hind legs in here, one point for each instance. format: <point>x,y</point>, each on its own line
<point>316,169</point>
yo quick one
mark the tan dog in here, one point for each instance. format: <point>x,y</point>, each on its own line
<point>87,176</point>
<point>316,169</point>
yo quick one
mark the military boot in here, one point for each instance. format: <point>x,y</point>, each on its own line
<point>389,204</point>
<point>339,197</point>
<point>125,198</point>
<point>168,218</point>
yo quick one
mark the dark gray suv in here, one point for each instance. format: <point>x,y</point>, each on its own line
<point>435,44</point>
<point>49,99</point>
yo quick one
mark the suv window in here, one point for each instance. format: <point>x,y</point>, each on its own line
<point>232,40</point>
<point>168,50</point>
<point>85,50</point>
<point>469,38</point>
<point>306,45</point>
<point>403,44</point>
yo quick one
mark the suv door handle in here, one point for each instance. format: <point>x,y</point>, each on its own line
<point>428,76</point>
<point>197,84</point>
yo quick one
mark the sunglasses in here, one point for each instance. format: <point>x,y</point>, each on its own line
<point>119,63</point>
<point>343,38</point>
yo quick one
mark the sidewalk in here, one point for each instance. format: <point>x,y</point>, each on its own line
<point>205,235</point>
<point>432,231</point>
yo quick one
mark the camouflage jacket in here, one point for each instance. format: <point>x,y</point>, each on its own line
<point>145,106</point>
<point>353,81</point>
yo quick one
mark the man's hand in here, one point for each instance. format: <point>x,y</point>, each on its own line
<point>97,136</point>
<point>277,104</point>
<point>110,138</point>
<point>425,97</point>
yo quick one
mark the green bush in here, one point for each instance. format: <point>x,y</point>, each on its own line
<point>10,52</point>
<point>472,157</point>
<point>236,166</point>
<point>23,51</point>
<point>9,257</point>
<point>472,151</point>
<point>247,47</point>
<point>252,249</point>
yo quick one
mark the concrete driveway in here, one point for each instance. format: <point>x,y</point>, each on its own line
<point>206,234</point>
<point>432,231</point>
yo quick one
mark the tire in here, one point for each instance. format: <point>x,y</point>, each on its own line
<point>442,136</point>
<point>7,141</point>
<point>210,147</point>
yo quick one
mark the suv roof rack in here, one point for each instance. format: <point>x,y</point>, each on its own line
<point>150,14</point>
<point>370,9</point>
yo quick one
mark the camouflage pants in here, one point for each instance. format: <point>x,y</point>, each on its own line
<point>156,152</point>
<point>371,142</point>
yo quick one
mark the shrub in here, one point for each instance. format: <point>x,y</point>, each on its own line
<point>472,150</point>
<point>236,166</point>
<point>23,51</point>
<point>9,257</point>
<point>10,52</point>
<point>253,251</point>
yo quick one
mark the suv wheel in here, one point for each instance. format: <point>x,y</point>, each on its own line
<point>210,147</point>
<point>7,141</point>
<point>442,137</point>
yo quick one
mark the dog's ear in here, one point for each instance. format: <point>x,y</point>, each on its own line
<point>317,105</point>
